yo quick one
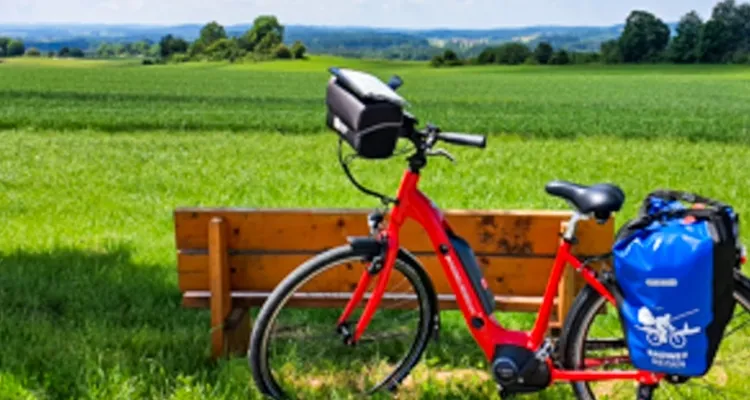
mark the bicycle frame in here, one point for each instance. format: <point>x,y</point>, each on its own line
<point>484,327</point>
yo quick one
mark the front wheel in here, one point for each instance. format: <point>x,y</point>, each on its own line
<point>593,339</point>
<point>295,348</point>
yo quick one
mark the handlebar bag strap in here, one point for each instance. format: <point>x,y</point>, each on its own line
<point>674,269</point>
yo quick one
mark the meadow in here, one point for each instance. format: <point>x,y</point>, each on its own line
<point>97,155</point>
<point>698,103</point>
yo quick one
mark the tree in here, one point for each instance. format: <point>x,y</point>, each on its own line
<point>63,52</point>
<point>105,50</point>
<point>560,57</point>
<point>725,32</point>
<point>713,45</point>
<point>298,50</point>
<point>269,42</point>
<point>450,58</point>
<point>644,38</point>
<point>512,53</point>
<point>685,47</point>
<point>16,48</point>
<point>610,51</point>
<point>436,61</point>
<point>76,52</point>
<point>33,52</point>
<point>211,32</point>
<point>169,45</point>
<point>265,34</point>
<point>140,48</point>
<point>543,52</point>
<point>4,41</point>
<point>224,49</point>
<point>743,14</point>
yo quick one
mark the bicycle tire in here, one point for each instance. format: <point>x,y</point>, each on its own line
<point>586,304</point>
<point>406,264</point>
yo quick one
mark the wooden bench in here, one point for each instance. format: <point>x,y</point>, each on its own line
<point>229,260</point>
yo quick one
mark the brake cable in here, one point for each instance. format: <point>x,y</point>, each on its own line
<point>386,200</point>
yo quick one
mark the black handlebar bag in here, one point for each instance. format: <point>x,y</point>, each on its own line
<point>365,112</point>
<point>674,266</point>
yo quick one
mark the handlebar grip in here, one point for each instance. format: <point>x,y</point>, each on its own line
<point>464,139</point>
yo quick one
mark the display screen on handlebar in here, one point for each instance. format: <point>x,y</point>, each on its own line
<point>369,86</point>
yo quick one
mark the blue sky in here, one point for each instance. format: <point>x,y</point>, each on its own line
<point>381,13</point>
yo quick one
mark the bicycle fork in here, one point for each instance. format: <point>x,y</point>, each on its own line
<point>381,265</point>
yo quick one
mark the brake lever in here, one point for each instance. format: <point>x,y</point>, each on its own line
<point>441,152</point>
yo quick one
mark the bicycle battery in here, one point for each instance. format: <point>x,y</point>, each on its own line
<point>470,265</point>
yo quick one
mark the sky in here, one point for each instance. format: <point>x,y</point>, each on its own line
<point>376,13</point>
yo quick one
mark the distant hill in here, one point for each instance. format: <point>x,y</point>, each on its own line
<point>347,41</point>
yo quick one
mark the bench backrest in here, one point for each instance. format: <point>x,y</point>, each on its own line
<point>261,246</point>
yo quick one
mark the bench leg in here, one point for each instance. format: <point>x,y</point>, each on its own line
<point>221,300</point>
<point>237,332</point>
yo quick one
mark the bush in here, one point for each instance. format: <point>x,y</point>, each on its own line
<point>33,52</point>
<point>299,50</point>
<point>584,58</point>
<point>437,61</point>
<point>223,49</point>
<point>282,52</point>
<point>179,58</point>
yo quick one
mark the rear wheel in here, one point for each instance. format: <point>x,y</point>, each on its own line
<point>296,351</point>
<point>593,340</point>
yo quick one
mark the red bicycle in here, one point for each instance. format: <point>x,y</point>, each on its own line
<point>394,283</point>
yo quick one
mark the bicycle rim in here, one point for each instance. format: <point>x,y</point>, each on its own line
<point>727,379</point>
<point>300,350</point>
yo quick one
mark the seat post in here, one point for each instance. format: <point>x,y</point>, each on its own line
<point>570,231</point>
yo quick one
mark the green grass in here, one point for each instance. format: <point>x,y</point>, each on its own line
<point>90,304</point>
<point>96,156</point>
<point>695,102</point>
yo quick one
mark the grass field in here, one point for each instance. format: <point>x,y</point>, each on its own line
<point>701,103</point>
<point>96,157</point>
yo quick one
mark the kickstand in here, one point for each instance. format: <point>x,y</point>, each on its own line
<point>645,392</point>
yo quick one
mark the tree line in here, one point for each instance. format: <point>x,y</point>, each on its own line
<point>264,40</point>
<point>10,47</point>
<point>723,38</point>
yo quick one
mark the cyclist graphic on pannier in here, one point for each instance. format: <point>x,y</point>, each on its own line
<point>660,331</point>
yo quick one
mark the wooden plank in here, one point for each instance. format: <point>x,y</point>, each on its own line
<point>501,232</point>
<point>218,274</point>
<point>507,276</point>
<point>594,239</point>
<point>567,290</point>
<point>247,299</point>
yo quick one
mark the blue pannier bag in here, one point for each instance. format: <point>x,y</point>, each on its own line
<point>674,267</point>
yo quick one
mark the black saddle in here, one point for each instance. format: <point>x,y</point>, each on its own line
<point>601,199</point>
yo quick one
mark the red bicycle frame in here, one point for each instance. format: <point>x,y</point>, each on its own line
<point>484,327</point>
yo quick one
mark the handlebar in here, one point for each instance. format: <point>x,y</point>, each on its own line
<point>463,139</point>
